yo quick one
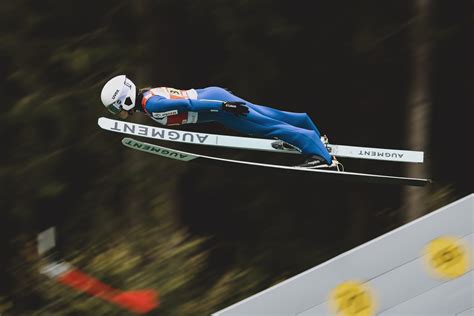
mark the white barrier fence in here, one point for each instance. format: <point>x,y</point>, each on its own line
<point>422,268</point>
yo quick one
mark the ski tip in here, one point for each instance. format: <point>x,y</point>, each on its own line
<point>127,140</point>
<point>100,120</point>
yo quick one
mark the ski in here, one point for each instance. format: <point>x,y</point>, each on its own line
<point>342,175</point>
<point>249,143</point>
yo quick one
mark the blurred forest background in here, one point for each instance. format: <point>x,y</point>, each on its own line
<point>396,74</point>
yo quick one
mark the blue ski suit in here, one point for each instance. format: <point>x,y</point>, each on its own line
<point>169,106</point>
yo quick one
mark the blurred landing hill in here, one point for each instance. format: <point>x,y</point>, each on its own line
<point>207,237</point>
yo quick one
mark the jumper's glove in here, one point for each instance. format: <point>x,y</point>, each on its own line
<point>236,107</point>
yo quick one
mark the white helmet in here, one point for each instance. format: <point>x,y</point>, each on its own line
<point>119,93</point>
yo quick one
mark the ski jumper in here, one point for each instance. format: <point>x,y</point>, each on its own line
<point>169,106</point>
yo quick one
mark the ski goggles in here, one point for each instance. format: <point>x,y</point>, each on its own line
<point>112,108</point>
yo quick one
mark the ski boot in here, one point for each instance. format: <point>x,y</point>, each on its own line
<point>281,145</point>
<point>317,162</point>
